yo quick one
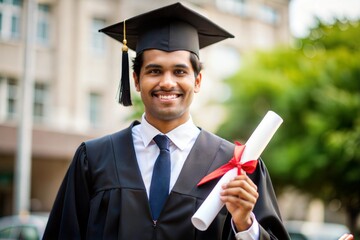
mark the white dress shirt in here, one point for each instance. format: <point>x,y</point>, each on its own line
<point>182,140</point>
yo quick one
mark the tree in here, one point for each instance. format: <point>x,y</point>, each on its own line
<point>316,89</point>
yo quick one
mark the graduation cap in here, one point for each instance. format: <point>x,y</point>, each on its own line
<point>170,28</point>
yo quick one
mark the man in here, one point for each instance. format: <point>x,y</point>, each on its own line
<point>117,186</point>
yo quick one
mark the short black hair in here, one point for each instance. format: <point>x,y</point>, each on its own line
<point>194,60</point>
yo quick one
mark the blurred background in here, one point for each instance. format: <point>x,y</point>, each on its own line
<point>59,80</point>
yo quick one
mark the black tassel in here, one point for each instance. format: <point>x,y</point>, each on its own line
<point>124,93</point>
<point>125,96</point>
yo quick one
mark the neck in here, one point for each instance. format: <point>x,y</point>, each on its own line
<point>165,126</point>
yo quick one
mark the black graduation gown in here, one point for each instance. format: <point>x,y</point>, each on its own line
<point>103,195</point>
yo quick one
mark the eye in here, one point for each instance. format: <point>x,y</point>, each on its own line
<point>180,72</point>
<point>153,71</point>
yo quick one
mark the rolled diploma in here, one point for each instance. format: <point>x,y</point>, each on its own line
<point>255,145</point>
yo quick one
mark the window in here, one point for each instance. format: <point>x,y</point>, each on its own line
<point>97,39</point>
<point>43,24</point>
<point>15,27</point>
<point>94,109</point>
<point>40,101</point>
<point>10,19</point>
<point>12,99</point>
<point>15,2</point>
<point>238,7</point>
<point>3,103</point>
<point>269,15</point>
<point>1,17</point>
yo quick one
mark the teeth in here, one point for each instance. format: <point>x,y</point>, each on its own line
<point>167,96</point>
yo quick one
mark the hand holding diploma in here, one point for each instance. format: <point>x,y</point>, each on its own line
<point>240,195</point>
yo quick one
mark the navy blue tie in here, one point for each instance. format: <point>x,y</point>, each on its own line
<point>159,188</point>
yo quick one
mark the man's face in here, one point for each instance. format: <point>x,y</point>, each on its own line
<point>167,85</point>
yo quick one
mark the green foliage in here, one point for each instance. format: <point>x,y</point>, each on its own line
<point>137,108</point>
<point>316,89</point>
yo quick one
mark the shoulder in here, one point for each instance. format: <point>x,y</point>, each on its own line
<point>215,144</point>
<point>215,139</point>
<point>98,147</point>
<point>107,139</point>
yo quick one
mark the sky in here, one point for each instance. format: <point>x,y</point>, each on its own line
<point>303,12</point>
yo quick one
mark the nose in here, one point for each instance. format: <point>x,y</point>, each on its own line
<point>167,81</point>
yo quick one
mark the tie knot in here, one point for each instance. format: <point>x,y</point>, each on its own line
<point>162,141</point>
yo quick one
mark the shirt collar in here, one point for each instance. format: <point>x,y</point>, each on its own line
<point>180,136</point>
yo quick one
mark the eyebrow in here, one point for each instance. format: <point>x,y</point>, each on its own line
<point>152,65</point>
<point>181,66</point>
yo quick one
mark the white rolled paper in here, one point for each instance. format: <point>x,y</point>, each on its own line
<point>255,145</point>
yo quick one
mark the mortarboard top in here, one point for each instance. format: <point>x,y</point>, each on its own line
<point>170,28</point>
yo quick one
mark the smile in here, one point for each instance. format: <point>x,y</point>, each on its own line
<point>168,97</point>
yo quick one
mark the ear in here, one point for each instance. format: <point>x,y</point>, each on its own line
<point>136,82</point>
<point>198,83</point>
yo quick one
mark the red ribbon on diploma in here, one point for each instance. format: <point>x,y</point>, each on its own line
<point>248,167</point>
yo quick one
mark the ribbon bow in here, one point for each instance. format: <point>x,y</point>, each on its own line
<point>248,167</point>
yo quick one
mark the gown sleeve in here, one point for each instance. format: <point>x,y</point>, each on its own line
<point>68,217</point>
<point>266,209</point>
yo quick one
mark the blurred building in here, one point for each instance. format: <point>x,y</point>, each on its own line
<point>77,71</point>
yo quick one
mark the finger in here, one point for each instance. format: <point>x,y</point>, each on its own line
<point>247,179</point>
<point>240,193</point>
<point>346,237</point>
<point>243,183</point>
<point>238,202</point>
<point>241,190</point>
